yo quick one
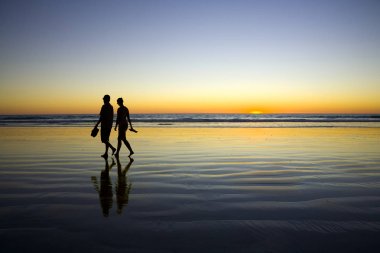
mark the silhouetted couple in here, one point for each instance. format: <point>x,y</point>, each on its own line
<point>106,121</point>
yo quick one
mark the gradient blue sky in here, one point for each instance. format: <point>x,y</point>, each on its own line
<point>190,56</point>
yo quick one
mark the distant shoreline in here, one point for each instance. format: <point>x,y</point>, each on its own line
<point>203,120</point>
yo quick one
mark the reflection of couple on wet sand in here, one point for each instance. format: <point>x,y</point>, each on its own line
<point>106,121</point>
<point>122,187</point>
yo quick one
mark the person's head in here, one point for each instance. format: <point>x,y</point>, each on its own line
<point>106,98</point>
<point>119,101</point>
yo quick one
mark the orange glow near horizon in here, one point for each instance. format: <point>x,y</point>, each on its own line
<point>57,105</point>
<point>230,99</point>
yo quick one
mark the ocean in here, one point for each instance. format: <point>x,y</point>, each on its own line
<point>208,183</point>
<point>203,120</point>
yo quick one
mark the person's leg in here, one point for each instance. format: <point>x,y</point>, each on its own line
<point>112,148</point>
<point>118,147</point>
<point>128,146</point>
<point>105,135</point>
<point>118,142</point>
<point>120,138</point>
<point>105,155</point>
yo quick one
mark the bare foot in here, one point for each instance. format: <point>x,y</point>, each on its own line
<point>131,153</point>
<point>105,156</point>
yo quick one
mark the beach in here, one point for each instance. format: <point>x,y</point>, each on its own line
<point>191,189</point>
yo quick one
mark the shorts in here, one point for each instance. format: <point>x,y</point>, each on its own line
<point>105,134</point>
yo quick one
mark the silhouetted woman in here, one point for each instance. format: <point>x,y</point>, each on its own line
<point>122,121</point>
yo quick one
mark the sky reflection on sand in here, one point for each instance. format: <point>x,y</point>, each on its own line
<point>193,189</point>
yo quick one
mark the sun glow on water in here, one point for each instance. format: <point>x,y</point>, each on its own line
<point>256,112</point>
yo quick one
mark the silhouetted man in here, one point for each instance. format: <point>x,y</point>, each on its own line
<point>106,119</point>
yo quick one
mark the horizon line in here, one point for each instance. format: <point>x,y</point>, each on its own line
<point>308,113</point>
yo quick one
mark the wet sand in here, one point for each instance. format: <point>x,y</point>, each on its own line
<point>191,190</point>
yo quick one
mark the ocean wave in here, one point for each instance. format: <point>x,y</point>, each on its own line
<point>172,119</point>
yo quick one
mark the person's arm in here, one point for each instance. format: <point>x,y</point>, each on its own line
<point>117,119</point>
<point>97,123</point>
<point>100,118</point>
<point>130,123</point>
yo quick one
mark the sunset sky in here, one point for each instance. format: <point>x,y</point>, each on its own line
<point>181,56</point>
